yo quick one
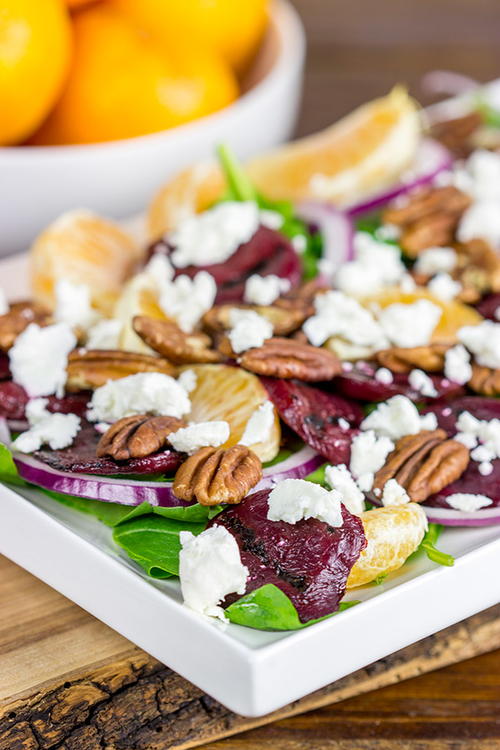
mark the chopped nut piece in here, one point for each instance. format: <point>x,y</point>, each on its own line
<point>287,358</point>
<point>19,316</point>
<point>478,270</point>
<point>284,320</point>
<point>89,369</point>
<point>166,338</point>
<point>137,436</point>
<point>217,475</point>
<point>485,380</point>
<point>457,134</point>
<point>423,464</point>
<point>429,358</point>
<point>435,230</point>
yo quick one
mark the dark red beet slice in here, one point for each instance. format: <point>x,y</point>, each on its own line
<point>489,305</point>
<point>4,367</point>
<point>473,482</point>
<point>360,383</point>
<point>13,400</point>
<point>81,458</point>
<point>314,415</point>
<point>309,561</point>
<point>448,412</point>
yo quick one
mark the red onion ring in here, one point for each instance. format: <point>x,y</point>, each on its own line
<point>483,517</point>
<point>336,229</point>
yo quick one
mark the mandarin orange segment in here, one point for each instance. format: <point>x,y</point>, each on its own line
<point>232,394</point>
<point>393,534</point>
<point>139,297</point>
<point>454,316</point>
<point>358,155</point>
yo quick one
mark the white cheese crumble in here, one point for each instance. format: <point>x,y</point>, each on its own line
<point>104,335</point>
<point>55,430</point>
<point>248,329</point>
<point>210,568</point>
<point>468,502</point>
<point>259,426</point>
<point>339,315</point>
<point>295,499</point>
<point>299,243</point>
<point>199,435</point>
<point>409,325</point>
<point>394,494</point>
<point>388,232</point>
<point>457,367</point>
<point>384,376</point>
<point>368,455</point>
<point>271,219</point>
<point>421,382</point>
<point>436,260</point>
<point>4,305</point>
<point>339,478</point>
<point>407,284</point>
<point>188,379</point>
<point>479,432</point>
<point>485,468</point>
<point>396,417</point>
<point>187,300</point>
<point>264,290</point>
<point>444,287</point>
<point>39,358</point>
<point>376,266</point>
<point>144,393</point>
<point>483,341</point>
<point>214,235</point>
<point>73,305</point>
<point>481,220</point>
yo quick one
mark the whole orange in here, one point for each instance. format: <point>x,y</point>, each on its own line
<point>35,48</point>
<point>123,83</point>
<point>234,28</point>
<point>73,4</point>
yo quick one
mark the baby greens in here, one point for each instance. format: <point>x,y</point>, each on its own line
<point>428,546</point>
<point>8,469</point>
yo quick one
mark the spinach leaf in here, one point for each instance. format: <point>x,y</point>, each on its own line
<point>268,608</point>
<point>428,545</point>
<point>318,475</point>
<point>8,469</point>
<point>153,542</point>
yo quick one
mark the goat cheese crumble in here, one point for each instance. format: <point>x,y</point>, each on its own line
<point>376,266</point>
<point>336,314</point>
<point>104,335</point>
<point>214,235</point>
<point>421,382</point>
<point>248,330</point>
<point>410,325</point>
<point>368,455</point>
<point>384,376</point>
<point>444,287</point>
<point>468,502</point>
<point>339,478</point>
<point>55,430</point>
<point>73,305</point>
<point>264,290</point>
<point>295,499</point>
<point>483,341</point>
<point>144,393</point>
<point>457,366</point>
<point>398,417</point>
<point>210,568</point>
<point>436,260</point>
<point>259,426</point>
<point>187,300</point>
<point>199,435</point>
<point>39,357</point>
<point>394,494</point>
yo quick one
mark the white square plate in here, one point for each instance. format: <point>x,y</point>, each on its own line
<point>249,671</point>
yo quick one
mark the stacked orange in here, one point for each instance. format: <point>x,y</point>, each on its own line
<point>85,71</point>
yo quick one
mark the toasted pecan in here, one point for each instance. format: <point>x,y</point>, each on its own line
<point>400,360</point>
<point>17,318</point>
<point>137,436</point>
<point>91,368</point>
<point>217,475</point>
<point>284,320</point>
<point>288,358</point>
<point>423,464</point>
<point>456,134</point>
<point>485,380</point>
<point>427,203</point>
<point>166,338</point>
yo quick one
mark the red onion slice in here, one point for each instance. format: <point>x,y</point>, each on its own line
<point>482,517</point>
<point>431,159</point>
<point>336,229</point>
<point>135,492</point>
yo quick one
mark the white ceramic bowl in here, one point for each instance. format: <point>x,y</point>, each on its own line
<point>118,178</point>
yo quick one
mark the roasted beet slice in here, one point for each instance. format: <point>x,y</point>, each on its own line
<point>489,305</point>
<point>471,482</point>
<point>81,458</point>
<point>309,561</point>
<point>4,367</point>
<point>360,383</point>
<point>13,400</point>
<point>314,415</point>
<point>447,412</point>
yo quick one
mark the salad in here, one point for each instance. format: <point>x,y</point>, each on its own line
<point>274,399</point>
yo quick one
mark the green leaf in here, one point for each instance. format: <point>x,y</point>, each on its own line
<point>318,475</point>
<point>239,186</point>
<point>153,542</point>
<point>380,579</point>
<point>268,608</point>
<point>8,469</point>
<point>283,454</point>
<point>428,545</point>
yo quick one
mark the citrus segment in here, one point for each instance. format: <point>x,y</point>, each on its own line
<point>393,533</point>
<point>356,156</point>
<point>233,395</point>
<point>139,297</point>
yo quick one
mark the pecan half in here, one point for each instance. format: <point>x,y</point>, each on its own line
<point>423,464</point>
<point>432,231</point>
<point>89,369</point>
<point>284,319</point>
<point>485,380</point>
<point>19,316</point>
<point>457,134</point>
<point>478,269</point>
<point>217,475</point>
<point>171,342</point>
<point>137,436</point>
<point>429,358</point>
<point>288,358</point>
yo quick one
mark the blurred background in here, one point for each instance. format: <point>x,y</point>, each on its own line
<point>103,100</point>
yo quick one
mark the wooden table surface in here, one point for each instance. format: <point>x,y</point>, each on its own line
<point>357,50</point>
